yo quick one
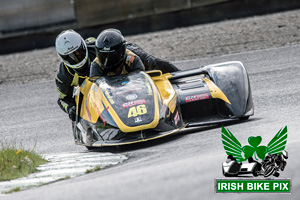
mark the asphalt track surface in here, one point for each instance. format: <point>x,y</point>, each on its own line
<point>177,167</point>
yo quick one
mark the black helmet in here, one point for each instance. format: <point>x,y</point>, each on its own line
<point>72,49</point>
<point>110,49</point>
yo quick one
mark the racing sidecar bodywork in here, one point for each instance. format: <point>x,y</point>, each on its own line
<point>234,168</point>
<point>142,106</point>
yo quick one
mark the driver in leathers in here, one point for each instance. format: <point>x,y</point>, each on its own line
<point>113,57</point>
<point>77,54</point>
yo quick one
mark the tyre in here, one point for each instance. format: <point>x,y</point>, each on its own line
<point>255,173</point>
<point>269,171</point>
<point>276,174</point>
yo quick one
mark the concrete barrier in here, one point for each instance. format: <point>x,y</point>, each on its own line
<point>30,24</point>
<point>23,16</point>
<point>95,12</point>
<point>31,16</point>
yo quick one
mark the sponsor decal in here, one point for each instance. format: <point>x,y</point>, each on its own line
<point>138,120</point>
<point>130,59</point>
<point>131,97</point>
<point>254,160</point>
<point>124,83</point>
<point>134,103</point>
<point>70,49</point>
<point>176,118</point>
<point>196,97</point>
<point>106,50</point>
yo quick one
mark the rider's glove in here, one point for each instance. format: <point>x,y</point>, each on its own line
<point>72,113</point>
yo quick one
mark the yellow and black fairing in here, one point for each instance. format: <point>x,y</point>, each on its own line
<point>125,109</point>
<point>137,107</point>
<point>213,94</point>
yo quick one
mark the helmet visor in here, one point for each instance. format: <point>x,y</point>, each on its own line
<point>77,56</point>
<point>111,58</point>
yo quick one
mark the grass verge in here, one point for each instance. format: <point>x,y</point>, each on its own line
<point>16,163</point>
<point>96,168</point>
<point>16,189</point>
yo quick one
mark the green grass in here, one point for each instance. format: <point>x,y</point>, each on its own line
<point>64,178</point>
<point>96,168</point>
<point>16,189</point>
<point>16,163</point>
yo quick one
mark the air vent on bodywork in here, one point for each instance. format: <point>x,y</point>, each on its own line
<point>190,85</point>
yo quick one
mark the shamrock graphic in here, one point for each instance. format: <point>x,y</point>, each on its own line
<point>233,147</point>
<point>260,151</point>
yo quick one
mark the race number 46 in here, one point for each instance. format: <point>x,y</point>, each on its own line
<point>137,110</point>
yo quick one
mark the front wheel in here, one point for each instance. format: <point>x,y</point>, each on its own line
<point>269,171</point>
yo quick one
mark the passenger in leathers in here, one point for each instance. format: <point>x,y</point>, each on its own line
<point>77,54</point>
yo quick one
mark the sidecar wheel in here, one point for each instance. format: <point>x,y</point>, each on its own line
<point>276,174</point>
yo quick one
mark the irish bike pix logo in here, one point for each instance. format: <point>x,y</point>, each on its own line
<point>254,167</point>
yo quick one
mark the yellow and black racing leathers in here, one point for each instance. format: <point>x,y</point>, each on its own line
<point>67,77</point>
<point>131,63</point>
